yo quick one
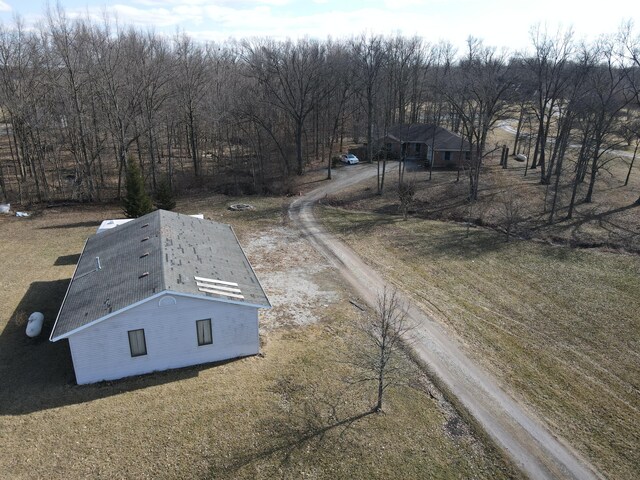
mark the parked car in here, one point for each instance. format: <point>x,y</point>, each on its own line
<point>349,159</point>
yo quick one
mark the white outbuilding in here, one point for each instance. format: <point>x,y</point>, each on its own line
<point>162,291</point>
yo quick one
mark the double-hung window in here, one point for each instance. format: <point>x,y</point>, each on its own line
<point>203,327</point>
<point>137,343</point>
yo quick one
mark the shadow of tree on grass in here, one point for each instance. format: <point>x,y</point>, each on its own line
<point>67,260</point>
<point>307,423</point>
<point>72,225</point>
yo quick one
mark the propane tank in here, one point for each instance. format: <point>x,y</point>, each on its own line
<point>34,325</point>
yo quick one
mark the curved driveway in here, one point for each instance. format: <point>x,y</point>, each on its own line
<point>534,449</point>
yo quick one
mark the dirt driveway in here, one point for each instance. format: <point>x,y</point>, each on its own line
<point>535,449</point>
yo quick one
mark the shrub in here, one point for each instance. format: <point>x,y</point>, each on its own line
<point>164,195</point>
<point>136,201</point>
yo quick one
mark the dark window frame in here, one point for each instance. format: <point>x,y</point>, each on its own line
<point>447,156</point>
<point>144,342</point>
<point>202,342</point>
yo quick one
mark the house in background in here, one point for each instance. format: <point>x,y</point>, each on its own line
<point>162,291</point>
<point>427,143</point>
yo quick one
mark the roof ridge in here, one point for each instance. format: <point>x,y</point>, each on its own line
<point>163,251</point>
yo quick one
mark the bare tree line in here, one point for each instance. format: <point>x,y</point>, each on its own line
<point>81,99</point>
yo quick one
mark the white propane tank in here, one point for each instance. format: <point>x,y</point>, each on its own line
<point>34,325</point>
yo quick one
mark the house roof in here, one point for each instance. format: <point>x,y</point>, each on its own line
<point>161,251</point>
<point>443,139</point>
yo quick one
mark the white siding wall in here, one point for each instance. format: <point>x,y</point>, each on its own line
<point>101,352</point>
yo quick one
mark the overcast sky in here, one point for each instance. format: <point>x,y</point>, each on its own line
<point>501,23</point>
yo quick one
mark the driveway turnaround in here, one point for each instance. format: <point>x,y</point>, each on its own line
<point>529,443</point>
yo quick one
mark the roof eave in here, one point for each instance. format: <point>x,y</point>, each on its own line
<point>251,267</point>
<point>219,299</point>
<point>67,292</point>
<point>156,295</point>
<point>100,319</point>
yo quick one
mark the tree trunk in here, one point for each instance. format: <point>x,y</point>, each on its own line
<point>594,172</point>
<point>518,131</point>
<point>534,160</point>
<point>2,185</point>
<point>193,144</point>
<point>557,184</point>
<point>299,159</point>
<point>633,159</point>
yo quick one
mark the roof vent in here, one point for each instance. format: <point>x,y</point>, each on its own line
<point>144,239</point>
<point>145,225</point>
<point>145,274</point>
<point>145,254</point>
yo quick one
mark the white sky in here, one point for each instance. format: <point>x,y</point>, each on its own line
<point>500,23</point>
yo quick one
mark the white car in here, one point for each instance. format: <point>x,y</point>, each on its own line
<point>349,159</point>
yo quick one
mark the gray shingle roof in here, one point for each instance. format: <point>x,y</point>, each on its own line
<point>424,133</point>
<point>157,252</point>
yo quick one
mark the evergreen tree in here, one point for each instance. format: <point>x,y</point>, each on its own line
<point>164,195</point>
<point>136,201</point>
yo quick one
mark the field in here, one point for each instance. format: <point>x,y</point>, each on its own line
<point>287,413</point>
<point>558,326</point>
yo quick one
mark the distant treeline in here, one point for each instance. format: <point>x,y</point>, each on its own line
<point>80,99</point>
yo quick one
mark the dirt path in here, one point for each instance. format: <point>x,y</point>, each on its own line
<point>532,447</point>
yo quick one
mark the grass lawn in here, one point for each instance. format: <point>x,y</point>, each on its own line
<point>286,414</point>
<point>558,326</point>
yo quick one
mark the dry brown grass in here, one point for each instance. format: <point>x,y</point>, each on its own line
<point>558,326</point>
<point>612,220</point>
<point>285,414</point>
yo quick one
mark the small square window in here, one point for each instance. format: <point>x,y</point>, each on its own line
<point>447,156</point>
<point>137,343</point>
<point>203,327</point>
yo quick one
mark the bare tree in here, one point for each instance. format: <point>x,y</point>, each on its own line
<point>380,357</point>
<point>610,93</point>
<point>511,209</point>
<point>631,132</point>
<point>547,66</point>
<point>478,93</point>
<point>292,76</point>
<point>569,110</point>
<point>191,85</point>
<point>632,52</point>
<point>339,91</point>
<point>406,193</point>
<point>369,55</point>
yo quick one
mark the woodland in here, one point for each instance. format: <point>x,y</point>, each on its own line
<point>80,99</point>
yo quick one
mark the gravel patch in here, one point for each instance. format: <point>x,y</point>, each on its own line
<point>291,273</point>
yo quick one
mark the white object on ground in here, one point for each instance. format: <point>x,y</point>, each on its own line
<point>5,207</point>
<point>109,224</point>
<point>22,214</point>
<point>34,325</point>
